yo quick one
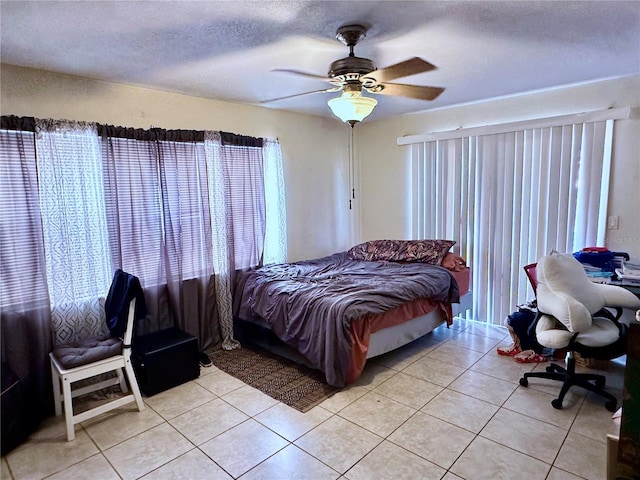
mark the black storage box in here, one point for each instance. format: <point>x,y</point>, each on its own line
<point>164,359</point>
<point>18,408</point>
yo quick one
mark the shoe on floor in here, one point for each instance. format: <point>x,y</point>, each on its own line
<point>204,359</point>
<point>529,356</point>
<point>510,350</point>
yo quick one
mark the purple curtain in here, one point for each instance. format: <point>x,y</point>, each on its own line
<point>160,226</point>
<point>25,318</point>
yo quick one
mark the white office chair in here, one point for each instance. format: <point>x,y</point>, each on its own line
<point>86,359</point>
<point>573,315</point>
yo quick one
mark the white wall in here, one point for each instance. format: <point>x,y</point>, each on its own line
<point>385,173</point>
<point>314,149</point>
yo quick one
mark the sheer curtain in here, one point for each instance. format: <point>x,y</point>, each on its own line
<point>275,241</point>
<point>176,210</point>
<point>74,225</point>
<point>509,198</point>
<point>220,239</point>
<point>247,200</point>
<point>25,317</point>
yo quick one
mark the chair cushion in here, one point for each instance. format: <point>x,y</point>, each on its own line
<point>552,334</point>
<point>87,351</point>
<point>565,291</point>
<point>602,332</point>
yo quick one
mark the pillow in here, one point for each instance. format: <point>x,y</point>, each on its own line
<point>453,262</point>
<point>423,251</point>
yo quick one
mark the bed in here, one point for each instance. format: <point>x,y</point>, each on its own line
<point>340,310</point>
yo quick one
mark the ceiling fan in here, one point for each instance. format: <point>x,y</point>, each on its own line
<point>354,75</point>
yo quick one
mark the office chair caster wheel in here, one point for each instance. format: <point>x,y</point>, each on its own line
<point>611,405</point>
<point>556,403</point>
<point>524,382</point>
<point>550,369</point>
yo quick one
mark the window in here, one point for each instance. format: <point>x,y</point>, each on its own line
<point>162,205</point>
<point>508,198</point>
<point>72,207</point>
<point>23,283</point>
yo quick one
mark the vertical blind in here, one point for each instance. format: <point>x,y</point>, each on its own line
<point>509,198</point>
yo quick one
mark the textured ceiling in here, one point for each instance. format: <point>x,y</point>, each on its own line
<point>228,49</point>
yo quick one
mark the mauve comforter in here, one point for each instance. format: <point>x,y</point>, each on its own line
<point>310,304</point>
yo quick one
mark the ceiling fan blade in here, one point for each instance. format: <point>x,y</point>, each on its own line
<point>411,91</point>
<point>403,69</point>
<point>324,90</point>
<point>304,74</point>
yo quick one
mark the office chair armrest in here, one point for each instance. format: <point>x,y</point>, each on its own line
<point>607,313</point>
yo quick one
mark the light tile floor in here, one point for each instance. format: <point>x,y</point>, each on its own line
<point>446,406</point>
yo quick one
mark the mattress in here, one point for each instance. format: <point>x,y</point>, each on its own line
<point>328,308</point>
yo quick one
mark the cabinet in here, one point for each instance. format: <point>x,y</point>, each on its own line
<point>164,359</point>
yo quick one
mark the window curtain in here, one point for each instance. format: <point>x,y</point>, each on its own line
<point>246,195</point>
<point>510,198</point>
<point>160,225</point>
<point>275,241</point>
<point>220,239</point>
<point>25,316</point>
<point>243,172</point>
<point>176,210</point>
<point>74,226</point>
<point>188,247</point>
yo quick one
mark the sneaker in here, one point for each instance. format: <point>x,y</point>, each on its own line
<point>204,359</point>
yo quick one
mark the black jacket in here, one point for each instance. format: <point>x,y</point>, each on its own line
<point>124,288</point>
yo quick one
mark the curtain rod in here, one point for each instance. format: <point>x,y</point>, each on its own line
<point>595,116</point>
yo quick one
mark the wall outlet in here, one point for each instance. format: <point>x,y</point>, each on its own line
<point>612,222</point>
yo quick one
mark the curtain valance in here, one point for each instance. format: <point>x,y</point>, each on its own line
<point>151,134</point>
<point>13,122</point>
<point>240,140</point>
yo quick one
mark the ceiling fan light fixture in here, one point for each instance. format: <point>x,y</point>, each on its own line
<point>352,107</point>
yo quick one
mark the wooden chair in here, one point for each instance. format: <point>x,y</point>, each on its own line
<point>86,359</point>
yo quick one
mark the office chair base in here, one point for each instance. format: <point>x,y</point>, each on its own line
<point>568,376</point>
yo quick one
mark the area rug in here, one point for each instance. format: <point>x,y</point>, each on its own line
<point>293,384</point>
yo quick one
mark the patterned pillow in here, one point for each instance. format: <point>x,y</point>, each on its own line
<point>424,251</point>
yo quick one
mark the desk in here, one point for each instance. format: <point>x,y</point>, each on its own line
<point>623,449</point>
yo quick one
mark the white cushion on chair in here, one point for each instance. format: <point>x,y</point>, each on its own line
<point>565,291</point>
<point>618,296</point>
<point>603,332</point>
<point>551,334</point>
